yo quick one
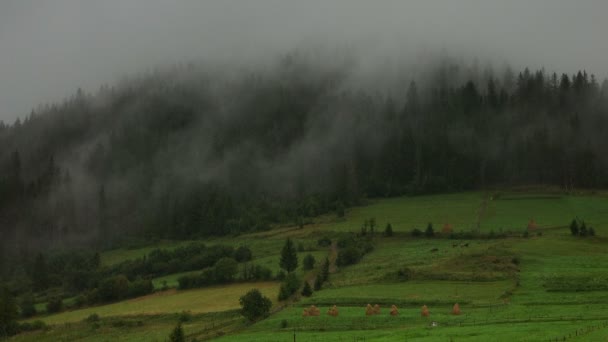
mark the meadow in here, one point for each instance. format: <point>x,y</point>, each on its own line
<point>538,285</point>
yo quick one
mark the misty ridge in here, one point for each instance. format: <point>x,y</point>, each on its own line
<point>203,149</point>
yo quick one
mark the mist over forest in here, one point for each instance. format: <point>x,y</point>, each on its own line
<point>203,149</point>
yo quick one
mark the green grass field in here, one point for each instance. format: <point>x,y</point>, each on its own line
<point>509,289</point>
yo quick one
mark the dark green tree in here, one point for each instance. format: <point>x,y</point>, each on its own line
<point>289,257</point>
<point>388,231</point>
<point>225,269</point>
<point>318,282</point>
<point>177,335</point>
<point>40,274</point>
<point>254,305</point>
<point>429,232</point>
<point>574,227</point>
<point>309,262</point>
<point>306,290</point>
<point>8,313</point>
<point>325,270</point>
<point>243,254</point>
<point>27,307</point>
<point>583,229</point>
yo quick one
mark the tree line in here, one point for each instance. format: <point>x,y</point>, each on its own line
<point>193,151</point>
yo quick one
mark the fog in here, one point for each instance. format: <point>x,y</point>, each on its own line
<point>48,49</point>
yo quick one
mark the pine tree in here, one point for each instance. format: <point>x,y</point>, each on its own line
<point>306,291</point>
<point>388,231</point>
<point>325,270</point>
<point>289,257</point>
<point>177,335</point>
<point>429,230</point>
<point>8,313</point>
<point>574,228</point>
<point>318,283</point>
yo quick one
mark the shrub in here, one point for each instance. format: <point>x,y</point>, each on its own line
<point>114,288</point>
<point>27,307</point>
<point>243,254</point>
<point>324,242</point>
<point>309,262</point>
<point>591,231</point>
<point>92,318</point>
<point>254,305</point>
<point>284,324</point>
<point>54,304</point>
<point>225,269</point>
<point>416,232</point>
<point>140,287</point>
<point>185,316</point>
<point>348,256</point>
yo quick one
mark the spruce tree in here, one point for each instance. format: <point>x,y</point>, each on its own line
<point>177,335</point>
<point>289,257</point>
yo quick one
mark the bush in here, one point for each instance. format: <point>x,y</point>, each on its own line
<point>254,305</point>
<point>324,242</point>
<point>92,318</point>
<point>185,316</point>
<point>32,326</point>
<point>114,288</point>
<point>54,304</point>
<point>416,232</point>
<point>348,256</point>
<point>225,269</point>
<point>140,287</point>
<point>309,262</point>
<point>27,307</point>
<point>243,254</point>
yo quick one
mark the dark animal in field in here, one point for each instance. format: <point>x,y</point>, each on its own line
<point>434,250</point>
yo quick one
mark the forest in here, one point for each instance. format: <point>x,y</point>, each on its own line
<point>194,150</point>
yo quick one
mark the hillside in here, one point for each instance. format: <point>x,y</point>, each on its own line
<point>513,280</point>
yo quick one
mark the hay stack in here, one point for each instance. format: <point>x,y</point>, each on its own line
<point>394,311</point>
<point>425,311</point>
<point>333,311</point>
<point>376,309</point>
<point>311,311</point>
<point>369,310</point>
<point>456,309</point>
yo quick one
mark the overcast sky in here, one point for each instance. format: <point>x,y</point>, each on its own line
<point>49,48</point>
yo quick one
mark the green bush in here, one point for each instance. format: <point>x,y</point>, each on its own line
<point>254,305</point>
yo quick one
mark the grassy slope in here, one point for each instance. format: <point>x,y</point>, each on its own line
<point>492,310</point>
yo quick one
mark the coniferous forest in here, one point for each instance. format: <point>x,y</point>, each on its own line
<point>197,150</point>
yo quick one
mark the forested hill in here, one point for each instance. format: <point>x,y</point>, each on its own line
<point>195,151</point>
